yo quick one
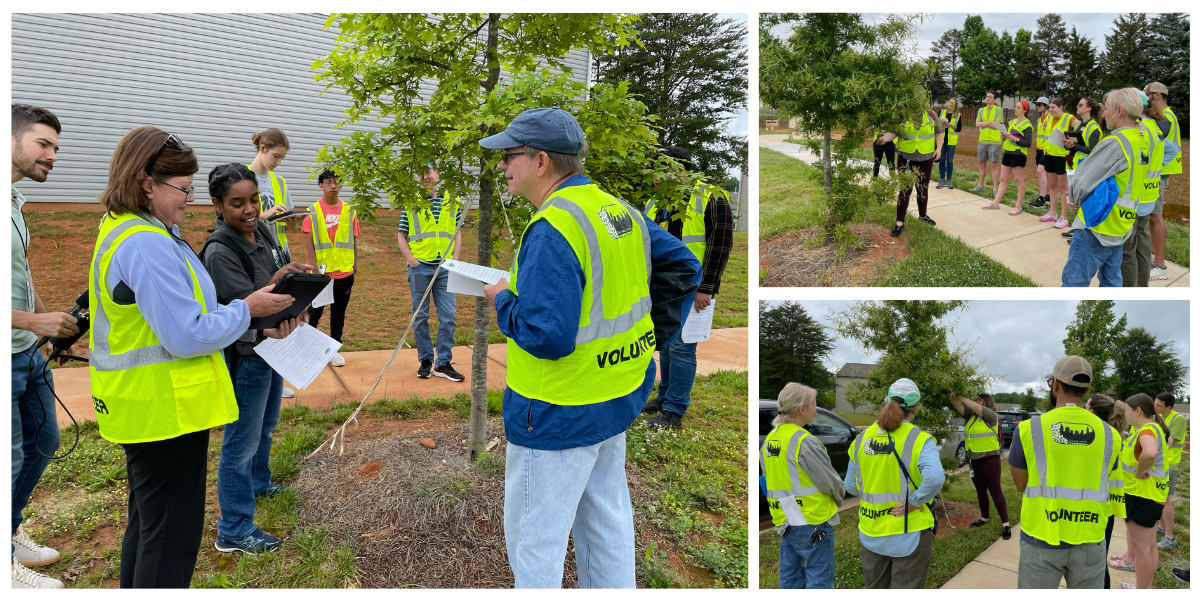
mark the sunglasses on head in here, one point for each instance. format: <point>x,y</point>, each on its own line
<point>175,143</point>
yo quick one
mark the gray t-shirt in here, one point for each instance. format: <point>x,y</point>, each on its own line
<point>22,282</point>
<point>230,278</point>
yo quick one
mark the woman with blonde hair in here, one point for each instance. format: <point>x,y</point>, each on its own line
<point>896,472</point>
<point>803,492</point>
<point>952,121</point>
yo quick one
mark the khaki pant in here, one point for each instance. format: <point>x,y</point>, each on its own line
<point>1043,568</point>
<point>905,573</point>
<point>1135,255</point>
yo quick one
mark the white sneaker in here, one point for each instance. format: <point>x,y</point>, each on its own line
<point>1157,272</point>
<point>24,578</point>
<point>30,553</point>
<point>338,361</point>
<point>288,392</point>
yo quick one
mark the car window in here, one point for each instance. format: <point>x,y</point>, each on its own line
<point>826,425</point>
<point>765,416</point>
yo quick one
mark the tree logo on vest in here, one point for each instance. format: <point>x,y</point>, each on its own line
<point>1072,434</point>
<point>877,447</point>
<point>773,448</point>
<point>617,220</point>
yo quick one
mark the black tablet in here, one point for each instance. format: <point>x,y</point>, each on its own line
<point>1076,134</point>
<point>304,287</point>
<point>287,215</point>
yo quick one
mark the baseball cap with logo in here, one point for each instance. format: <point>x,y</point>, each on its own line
<point>904,392</point>
<point>1074,370</point>
<point>549,129</point>
<point>1156,87</point>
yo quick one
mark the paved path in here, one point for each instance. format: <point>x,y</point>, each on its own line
<point>996,567</point>
<point>727,349</point>
<point>1022,243</point>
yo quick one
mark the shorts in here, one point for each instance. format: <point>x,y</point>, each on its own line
<point>1162,194</point>
<point>989,152</point>
<point>1013,160</point>
<point>1040,156</point>
<point>1055,164</point>
<point>1142,511</point>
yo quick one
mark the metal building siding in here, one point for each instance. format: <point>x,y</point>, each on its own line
<point>212,79</point>
<point>742,223</point>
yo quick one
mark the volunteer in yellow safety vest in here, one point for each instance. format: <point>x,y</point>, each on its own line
<point>1088,112</point>
<point>1176,429</point>
<point>1054,162</point>
<point>952,121</point>
<point>1096,245</point>
<point>588,274</point>
<point>1062,462</point>
<point>895,471</point>
<point>990,144</point>
<point>271,147</point>
<point>158,377</point>
<point>1143,462</point>
<point>982,442</point>
<point>1042,104</point>
<point>803,492</point>
<point>1016,154</point>
<point>1136,265</point>
<point>1113,414</point>
<point>920,145</point>
<point>332,230</point>
<point>1157,92</point>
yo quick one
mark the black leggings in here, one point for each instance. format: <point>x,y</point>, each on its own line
<point>880,149</point>
<point>337,310</point>
<point>987,479</point>
<point>1107,544</point>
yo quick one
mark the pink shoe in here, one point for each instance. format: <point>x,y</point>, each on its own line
<point>1061,223</point>
<point>1049,217</point>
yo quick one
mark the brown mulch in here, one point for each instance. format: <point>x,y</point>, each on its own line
<point>793,260</point>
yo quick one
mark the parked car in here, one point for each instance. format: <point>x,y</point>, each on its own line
<point>835,432</point>
<point>1009,421</point>
<point>954,445</point>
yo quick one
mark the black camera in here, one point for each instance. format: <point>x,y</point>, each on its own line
<point>61,345</point>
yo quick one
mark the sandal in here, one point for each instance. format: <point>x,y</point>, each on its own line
<point>992,207</point>
<point>1122,565</point>
<point>1013,213</point>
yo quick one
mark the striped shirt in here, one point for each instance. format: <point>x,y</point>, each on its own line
<point>437,213</point>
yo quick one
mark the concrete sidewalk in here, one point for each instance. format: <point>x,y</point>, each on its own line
<point>1021,243</point>
<point>727,349</point>
<point>996,567</point>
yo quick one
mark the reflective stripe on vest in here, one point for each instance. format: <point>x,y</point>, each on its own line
<point>1068,498</point>
<point>336,254</point>
<point>1041,132</point>
<point>799,503</point>
<point>952,135</point>
<point>1057,148</point>
<point>1088,128</point>
<point>979,437</point>
<point>693,221</point>
<point>279,193</point>
<point>874,519</point>
<point>612,245</point>
<point>1041,460</point>
<point>1155,486</point>
<point>1118,224</point>
<point>1148,192</point>
<point>988,134</point>
<point>919,140</point>
<point>1015,126</point>
<point>428,239</point>
<point>1176,165</point>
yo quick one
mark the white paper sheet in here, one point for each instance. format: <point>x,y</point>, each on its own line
<point>300,356</point>
<point>467,278</point>
<point>698,325</point>
<point>1057,138</point>
<point>325,297</point>
<point>998,126</point>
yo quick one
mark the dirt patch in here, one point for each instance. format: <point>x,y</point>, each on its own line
<point>794,260</point>
<point>962,514</point>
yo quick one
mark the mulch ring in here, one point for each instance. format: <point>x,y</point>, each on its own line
<point>962,514</point>
<point>794,260</point>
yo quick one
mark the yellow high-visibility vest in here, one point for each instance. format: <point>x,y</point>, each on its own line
<point>881,485</point>
<point>336,254</point>
<point>1176,165</point>
<point>1155,486</point>
<point>791,495</point>
<point>428,239</point>
<point>987,135</point>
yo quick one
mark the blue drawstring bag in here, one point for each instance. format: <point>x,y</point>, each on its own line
<point>1099,203</point>
<point>762,483</point>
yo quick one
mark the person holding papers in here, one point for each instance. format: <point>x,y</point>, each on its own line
<point>707,230</point>
<point>158,379</point>
<point>243,255</point>
<point>596,289</point>
<point>434,236</point>
<point>1054,161</point>
<point>333,247</point>
<point>1017,141</point>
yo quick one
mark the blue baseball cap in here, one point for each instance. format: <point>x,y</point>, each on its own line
<point>549,129</point>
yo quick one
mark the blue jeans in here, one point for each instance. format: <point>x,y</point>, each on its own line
<point>946,163</point>
<point>1087,256</point>
<point>549,494</point>
<point>244,469</point>
<point>803,564</point>
<point>418,280</point>
<point>32,406</point>
<point>677,367</point>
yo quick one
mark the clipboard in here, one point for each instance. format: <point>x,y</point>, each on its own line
<point>304,287</point>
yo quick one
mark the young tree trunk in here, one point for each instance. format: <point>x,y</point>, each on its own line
<point>477,437</point>
<point>827,165</point>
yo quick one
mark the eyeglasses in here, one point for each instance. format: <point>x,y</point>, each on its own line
<point>508,156</point>
<point>186,191</point>
<point>175,143</point>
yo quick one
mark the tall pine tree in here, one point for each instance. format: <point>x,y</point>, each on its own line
<point>1025,66</point>
<point>792,346</point>
<point>1081,75</point>
<point>1169,50</point>
<point>946,52</point>
<point>1049,50</point>
<point>1126,60</point>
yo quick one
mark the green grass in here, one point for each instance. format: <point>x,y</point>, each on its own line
<point>857,419</point>
<point>790,198</point>
<point>699,479</point>
<point>733,300</point>
<point>1179,244</point>
<point>1181,555</point>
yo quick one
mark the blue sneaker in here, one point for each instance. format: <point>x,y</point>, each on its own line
<point>255,542</point>
<point>271,491</point>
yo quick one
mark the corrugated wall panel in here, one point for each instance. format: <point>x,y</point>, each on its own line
<point>212,79</point>
<point>743,204</point>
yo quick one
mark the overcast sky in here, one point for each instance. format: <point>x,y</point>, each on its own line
<point>1092,25</point>
<point>740,125</point>
<point>1021,340</point>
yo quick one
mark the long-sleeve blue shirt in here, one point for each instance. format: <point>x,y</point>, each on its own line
<point>153,267</point>
<point>932,478</point>
<point>543,319</point>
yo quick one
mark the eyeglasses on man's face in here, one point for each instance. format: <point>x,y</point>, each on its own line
<point>506,158</point>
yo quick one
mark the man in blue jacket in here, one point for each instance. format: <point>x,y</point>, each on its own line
<point>596,290</point>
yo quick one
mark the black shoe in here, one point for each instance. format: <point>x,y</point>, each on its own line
<point>979,523</point>
<point>652,407</point>
<point>928,220</point>
<point>1007,534</point>
<point>1184,575</point>
<point>448,372</point>
<point>666,419</point>
<point>1068,233</point>
<point>423,372</point>
<point>1040,202</point>
<point>896,230</point>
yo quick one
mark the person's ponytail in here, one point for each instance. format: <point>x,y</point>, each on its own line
<point>891,416</point>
